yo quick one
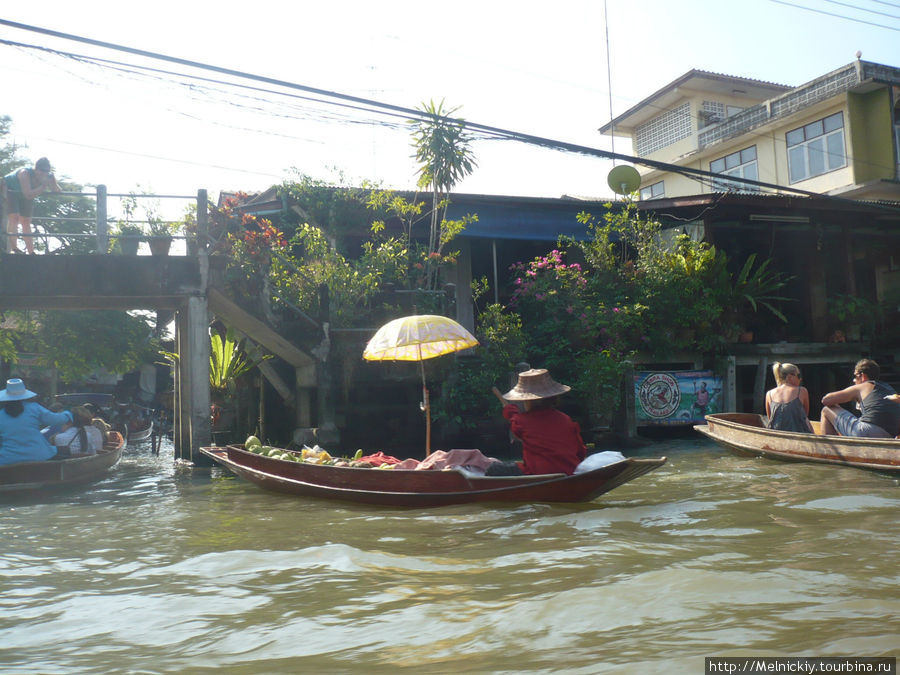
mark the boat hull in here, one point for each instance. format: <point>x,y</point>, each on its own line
<point>32,477</point>
<point>140,434</point>
<point>745,433</point>
<point>422,488</point>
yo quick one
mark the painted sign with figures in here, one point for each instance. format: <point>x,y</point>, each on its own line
<point>676,397</point>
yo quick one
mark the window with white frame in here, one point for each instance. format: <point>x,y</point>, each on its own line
<point>713,112</point>
<point>816,148</point>
<point>741,164</point>
<point>654,191</point>
<point>663,130</point>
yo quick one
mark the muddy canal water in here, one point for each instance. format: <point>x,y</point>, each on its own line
<point>161,570</point>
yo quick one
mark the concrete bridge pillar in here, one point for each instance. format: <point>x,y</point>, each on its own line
<point>192,427</point>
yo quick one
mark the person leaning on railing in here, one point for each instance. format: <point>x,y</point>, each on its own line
<point>20,187</point>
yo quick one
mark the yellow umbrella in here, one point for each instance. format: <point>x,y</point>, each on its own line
<point>416,338</point>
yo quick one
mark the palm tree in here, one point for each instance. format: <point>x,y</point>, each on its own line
<point>445,158</point>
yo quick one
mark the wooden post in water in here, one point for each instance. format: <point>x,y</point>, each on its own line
<point>629,433</point>
<point>729,385</point>
<point>102,229</point>
<point>192,423</point>
<point>759,385</point>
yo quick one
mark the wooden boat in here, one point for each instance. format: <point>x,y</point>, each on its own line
<point>423,488</point>
<point>31,477</point>
<point>745,433</point>
<point>134,421</point>
<point>139,429</point>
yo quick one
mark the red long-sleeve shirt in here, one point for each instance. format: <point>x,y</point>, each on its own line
<point>551,441</point>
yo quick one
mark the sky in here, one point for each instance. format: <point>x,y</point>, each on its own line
<point>542,69</point>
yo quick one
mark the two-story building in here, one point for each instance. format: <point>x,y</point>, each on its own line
<point>837,135</point>
<point>826,210</point>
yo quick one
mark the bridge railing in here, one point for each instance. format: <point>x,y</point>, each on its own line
<point>135,218</point>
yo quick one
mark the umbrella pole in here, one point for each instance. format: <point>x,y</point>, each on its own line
<point>427,405</point>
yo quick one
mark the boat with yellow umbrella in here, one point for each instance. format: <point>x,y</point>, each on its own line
<point>417,338</point>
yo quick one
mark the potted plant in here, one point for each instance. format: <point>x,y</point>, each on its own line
<point>128,233</point>
<point>160,233</point>
<point>128,237</point>
<point>850,314</point>
<point>229,359</point>
<point>754,289</point>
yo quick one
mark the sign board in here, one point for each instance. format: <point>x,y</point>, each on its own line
<point>671,398</point>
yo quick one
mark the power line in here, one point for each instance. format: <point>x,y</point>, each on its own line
<point>863,9</point>
<point>889,4</point>
<point>839,16</point>
<point>418,115</point>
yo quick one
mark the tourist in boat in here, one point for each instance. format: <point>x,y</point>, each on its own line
<point>21,421</point>
<point>551,440</point>
<point>21,187</point>
<point>879,412</point>
<point>787,405</point>
<point>81,438</point>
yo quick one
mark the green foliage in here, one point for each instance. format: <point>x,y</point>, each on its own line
<point>442,148</point>
<point>335,207</point>
<point>445,157</point>
<point>850,309</point>
<point>465,396</point>
<point>599,380</point>
<point>77,343</point>
<point>229,360</point>
<point>755,287</point>
<point>846,311</point>
<point>352,284</point>
<point>637,290</point>
<point>76,214</point>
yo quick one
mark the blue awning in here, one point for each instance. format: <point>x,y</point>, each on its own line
<point>524,220</point>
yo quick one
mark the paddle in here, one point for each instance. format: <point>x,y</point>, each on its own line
<point>504,402</point>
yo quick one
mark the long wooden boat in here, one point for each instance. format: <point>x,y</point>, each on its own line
<point>746,433</point>
<point>423,488</point>
<point>134,421</point>
<point>34,477</point>
<point>139,430</point>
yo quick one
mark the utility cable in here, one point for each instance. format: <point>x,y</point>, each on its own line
<point>839,16</point>
<point>418,115</point>
<point>862,9</point>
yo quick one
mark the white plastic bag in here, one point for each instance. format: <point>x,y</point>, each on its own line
<point>599,459</point>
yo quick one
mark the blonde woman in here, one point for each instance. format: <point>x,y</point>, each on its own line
<point>787,405</point>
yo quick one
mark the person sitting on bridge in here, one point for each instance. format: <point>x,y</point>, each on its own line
<point>21,421</point>
<point>21,187</point>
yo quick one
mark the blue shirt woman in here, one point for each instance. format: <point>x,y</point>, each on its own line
<point>21,421</point>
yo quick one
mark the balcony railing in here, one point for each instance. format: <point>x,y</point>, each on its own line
<point>819,90</point>
<point>188,240</point>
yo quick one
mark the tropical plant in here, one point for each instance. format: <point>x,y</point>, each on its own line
<point>755,288</point>
<point>445,157</point>
<point>229,358</point>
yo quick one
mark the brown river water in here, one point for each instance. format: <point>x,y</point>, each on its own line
<point>159,569</point>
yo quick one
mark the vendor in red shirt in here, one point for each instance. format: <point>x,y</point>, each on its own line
<point>551,441</point>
